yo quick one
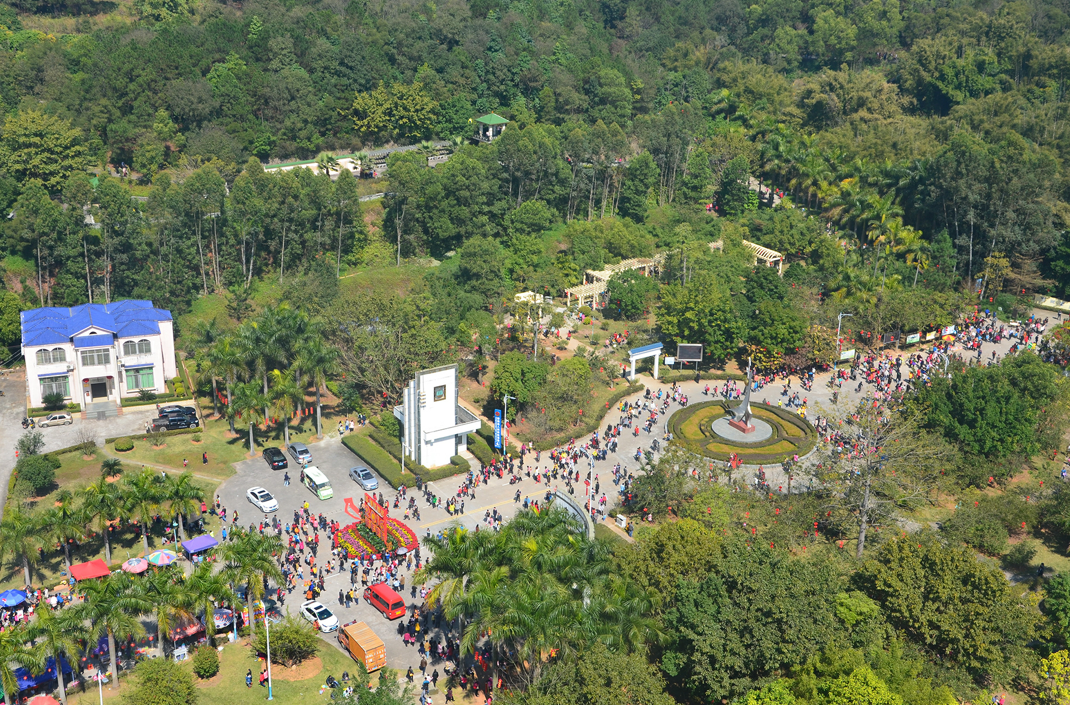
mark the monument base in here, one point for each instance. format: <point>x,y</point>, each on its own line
<point>741,426</point>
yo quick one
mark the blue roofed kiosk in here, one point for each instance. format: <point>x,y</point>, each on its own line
<point>489,127</point>
<point>98,353</point>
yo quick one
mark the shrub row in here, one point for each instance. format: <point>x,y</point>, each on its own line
<point>460,463</point>
<point>160,399</point>
<point>750,453</point>
<point>392,446</point>
<point>383,463</point>
<point>479,448</point>
<point>670,376</point>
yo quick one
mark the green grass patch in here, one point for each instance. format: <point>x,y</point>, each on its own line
<point>179,445</point>
<point>601,531</point>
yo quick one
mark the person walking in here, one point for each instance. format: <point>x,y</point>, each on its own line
<point>249,678</point>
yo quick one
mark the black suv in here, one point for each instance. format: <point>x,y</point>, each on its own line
<point>174,409</point>
<point>174,421</point>
<point>275,458</point>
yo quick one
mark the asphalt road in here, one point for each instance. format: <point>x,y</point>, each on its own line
<point>335,460</point>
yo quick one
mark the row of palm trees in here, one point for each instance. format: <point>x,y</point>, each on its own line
<point>138,497</point>
<point>114,606</point>
<point>536,587</point>
<point>266,366</point>
<point>861,197</point>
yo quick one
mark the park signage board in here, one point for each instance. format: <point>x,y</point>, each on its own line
<point>689,353</point>
<point>913,337</point>
<point>498,429</point>
<point>847,355</point>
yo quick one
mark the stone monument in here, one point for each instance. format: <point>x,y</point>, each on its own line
<point>741,415</point>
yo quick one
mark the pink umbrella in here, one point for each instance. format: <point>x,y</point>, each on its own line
<point>43,700</point>
<point>135,565</point>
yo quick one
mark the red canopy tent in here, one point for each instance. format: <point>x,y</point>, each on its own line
<point>92,569</point>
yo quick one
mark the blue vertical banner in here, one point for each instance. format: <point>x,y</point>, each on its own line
<point>498,429</point>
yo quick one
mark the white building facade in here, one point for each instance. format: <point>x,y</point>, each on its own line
<point>434,426</point>
<point>98,352</point>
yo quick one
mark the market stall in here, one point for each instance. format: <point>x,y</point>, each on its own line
<point>198,549</point>
<point>90,570</point>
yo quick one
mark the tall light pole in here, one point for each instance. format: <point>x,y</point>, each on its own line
<point>839,345</point>
<point>505,421</point>
<point>267,628</point>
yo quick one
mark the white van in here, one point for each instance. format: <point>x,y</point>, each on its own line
<point>317,482</point>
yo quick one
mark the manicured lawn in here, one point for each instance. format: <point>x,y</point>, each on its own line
<point>228,687</point>
<point>222,451</point>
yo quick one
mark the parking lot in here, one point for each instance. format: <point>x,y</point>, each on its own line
<point>335,460</point>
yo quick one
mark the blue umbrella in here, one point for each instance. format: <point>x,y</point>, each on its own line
<point>11,598</point>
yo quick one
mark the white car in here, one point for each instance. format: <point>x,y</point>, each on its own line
<point>262,499</point>
<point>60,419</point>
<point>314,611</point>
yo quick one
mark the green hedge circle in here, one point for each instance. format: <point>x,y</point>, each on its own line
<point>699,437</point>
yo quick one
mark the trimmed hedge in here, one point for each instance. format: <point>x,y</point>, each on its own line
<point>750,453</point>
<point>393,446</point>
<point>160,399</point>
<point>670,376</point>
<point>381,462</point>
<point>590,424</point>
<point>460,463</point>
<point>479,448</point>
<point>38,411</point>
<point>124,444</point>
<point>486,432</point>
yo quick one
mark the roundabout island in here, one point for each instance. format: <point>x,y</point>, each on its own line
<point>708,429</point>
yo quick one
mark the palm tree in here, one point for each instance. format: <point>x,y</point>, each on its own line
<point>170,602</point>
<point>327,162</point>
<point>249,561</point>
<point>318,360</point>
<point>207,587</point>
<point>60,633</point>
<point>112,607</point>
<point>249,402</point>
<point>916,249</point>
<point>226,360</point>
<point>261,344</point>
<point>65,523</point>
<point>19,538</point>
<point>184,497</point>
<point>142,500</point>
<point>880,212</point>
<point>103,503</point>
<point>111,467</point>
<point>15,651</point>
<point>285,395</point>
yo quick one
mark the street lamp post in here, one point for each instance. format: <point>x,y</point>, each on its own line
<point>267,628</point>
<point>839,345</point>
<point>505,413</point>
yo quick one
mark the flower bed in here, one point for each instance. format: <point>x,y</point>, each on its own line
<point>402,534</point>
<point>356,538</point>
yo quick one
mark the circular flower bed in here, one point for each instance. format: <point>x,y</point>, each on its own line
<point>792,435</point>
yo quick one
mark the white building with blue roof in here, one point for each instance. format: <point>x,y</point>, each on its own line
<point>98,352</point>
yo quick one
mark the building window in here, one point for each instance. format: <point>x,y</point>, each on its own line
<point>440,392</point>
<point>48,357</point>
<point>141,347</point>
<point>140,379</point>
<point>96,357</point>
<point>55,385</point>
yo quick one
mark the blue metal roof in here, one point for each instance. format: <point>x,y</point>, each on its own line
<point>646,348</point>
<point>139,366</point>
<point>54,374</point>
<point>93,341</point>
<point>126,319</point>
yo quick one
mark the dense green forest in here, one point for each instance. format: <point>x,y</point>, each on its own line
<point>932,131</point>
